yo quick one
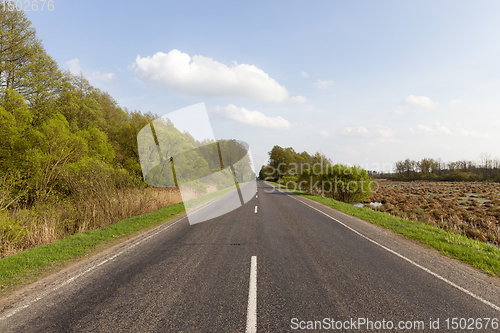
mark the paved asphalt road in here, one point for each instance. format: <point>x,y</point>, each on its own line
<point>311,262</point>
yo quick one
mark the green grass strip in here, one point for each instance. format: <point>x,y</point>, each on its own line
<point>24,265</point>
<point>478,254</point>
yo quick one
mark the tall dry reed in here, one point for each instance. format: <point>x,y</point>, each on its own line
<point>24,228</point>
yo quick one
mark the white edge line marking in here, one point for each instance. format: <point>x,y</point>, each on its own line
<point>255,209</point>
<point>252,298</point>
<point>91,268</point>
<point>404,258</point>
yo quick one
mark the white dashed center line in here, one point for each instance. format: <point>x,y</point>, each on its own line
<point>252,298</point>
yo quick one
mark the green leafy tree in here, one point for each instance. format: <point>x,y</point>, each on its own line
<point>17,44</point>
<point>54,147</point>
<point>98,144</point>
<point>15,129</point>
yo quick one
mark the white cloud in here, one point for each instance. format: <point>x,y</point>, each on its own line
<point>463,132</point>
<point>440,128</point>
<point>322,84</point>
<point>357,131</point>
<point>455,102</point>
<point>424,128</point>
<point>428,129</point>
<point>326,134</point>
<point>398,112</point>
<point>476,134</point>
<point>252,118</point>
<point>103,77</point>
<point>298,99</point>
<point>444,130</point>
<point>303,74</point>
<point>421,101</point>
<point>202,76</point>
<point>73,66</point>
<point>372,132</point>
<point>383,132</point>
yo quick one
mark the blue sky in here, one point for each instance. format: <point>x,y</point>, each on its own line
<point>363,82</point>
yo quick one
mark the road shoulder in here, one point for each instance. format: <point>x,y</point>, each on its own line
<point>459,273</point>
<point>69,269</point>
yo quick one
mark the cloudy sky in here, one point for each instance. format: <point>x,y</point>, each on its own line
<point>364,82</point>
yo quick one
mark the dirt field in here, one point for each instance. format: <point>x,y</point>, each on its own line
<point>471,209</point>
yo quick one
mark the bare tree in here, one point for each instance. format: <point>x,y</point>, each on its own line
<point>496,165</point>
<point>438,166</point>
<point>400,167</point>
<point>409,166</point>
<point>485,163</point>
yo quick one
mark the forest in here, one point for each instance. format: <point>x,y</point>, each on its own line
<point>486,169</point>
<point>69,159</point>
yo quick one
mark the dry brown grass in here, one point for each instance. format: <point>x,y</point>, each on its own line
<point>21,229</point>
<point>471,209</point>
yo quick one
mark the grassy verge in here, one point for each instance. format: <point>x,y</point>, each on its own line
<point>478,254</point>
<point>27,265</point>
<point>30,264</point>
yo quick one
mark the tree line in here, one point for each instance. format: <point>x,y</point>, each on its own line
<point>69,159</point>
<point>317,175</point>
<point>55,125</point>
<point>487,168</point>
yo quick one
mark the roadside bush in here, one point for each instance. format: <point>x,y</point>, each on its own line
<point>339,182</point>
<point>289,181</point>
